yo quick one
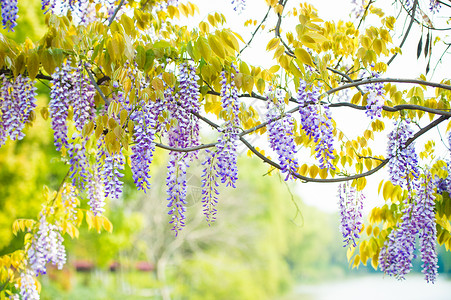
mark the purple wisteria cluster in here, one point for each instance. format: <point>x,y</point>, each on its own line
<point>61,96</point>
<point>69,201</point>
<point>83,93</point>
<point>183,134</point>
<point>47,246</point>
<point>316,124</point>
<point>188,100</point>
<point>210,178</point>
<point>96,192</point>
<point>17,101</point>
<point>418,219</point>
<point>78,161</point>
<point>375,100</point>
<point>110,166</point>
<point>227,142</point>
<point>434,6</point>
<point>28,288</point>
<point>9,14</point>
<point>351,209</point>
<point>280,135</point>
<point>239,5</point>
<point>144,134</point>
<point>177,189</point>
<point>358,7</point>
<point>403,160</point>
<point>221,163</point>
<point>427,228</point>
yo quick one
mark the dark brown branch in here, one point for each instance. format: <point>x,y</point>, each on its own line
<point>256,30</point>
<point>414,8</point>
<point>399,80</point>
<point>203,146</point>
<point>110,21</point>
<point>347,178</point>
<point>96,86</point>
<point>396,108</point>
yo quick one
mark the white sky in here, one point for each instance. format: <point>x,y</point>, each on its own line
<point>324,196</point>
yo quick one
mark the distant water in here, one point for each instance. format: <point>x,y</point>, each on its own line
<point>376,287</point>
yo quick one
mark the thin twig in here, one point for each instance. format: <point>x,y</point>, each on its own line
<point>414,8</point>
<point>94,83</point>
<point>256,30</point>
<point>347,178</point>
<point>115,13</point>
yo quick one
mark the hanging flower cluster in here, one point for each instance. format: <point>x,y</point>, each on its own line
<point>78,161</point>
<point>183,134</point>
<point>188,100</point>
<point>28,288</point>
<point>315,124</point>
<point>427,228</point>
<point>96,192</point>
<point>403,160</point>
<point>17,101</point>
<point>434,6</point>
<point>351,209</point>
<point>144,134</point>
<point>374,101</point>
<point>176,190</point>
<point>210,186</point>
<point>418,218</point>
<point>47,246</point>
<point>111,166</point>
<point>60,101</point>
<point>227,142</point>
<point>9,14</point>
<point>221,163</point>
<point>280,135</point>
<point>239,5</point>
<point>358,8</point>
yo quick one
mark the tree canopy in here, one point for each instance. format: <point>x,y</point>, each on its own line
<point>127,77</point>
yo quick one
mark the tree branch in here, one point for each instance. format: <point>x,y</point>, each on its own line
<point>414,8</point>
<point>96,86</point>
<point>256,30</point>
<point>110,21</point>
<point>347,178</point>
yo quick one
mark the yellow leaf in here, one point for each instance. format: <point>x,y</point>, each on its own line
<point>304,56</point>
<point>157,84</point>
<point>274,69</point>
<point>313,171</point>
<point>33,65</point>
<point>261,86</point>
<point>204,48</point>
<point>107,225</point>
<point>89,219</point>
<point>377,46</point>
<point>387,190</point>
<point>216,46</point>
<point>212,20</point>
<point>273,43</point>
<point>303,169</point>
<point>356,98</point>
<point>248,83</point>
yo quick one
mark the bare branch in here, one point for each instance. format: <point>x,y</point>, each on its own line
<point>94,83</point>
<point>414,8</point>
<point>110,21</point>
<point>256,30</point>
<point>347,178</point>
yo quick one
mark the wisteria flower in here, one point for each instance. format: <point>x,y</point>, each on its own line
<point>280,135</point>
<point>403,160</point>
<point>351,209</point>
